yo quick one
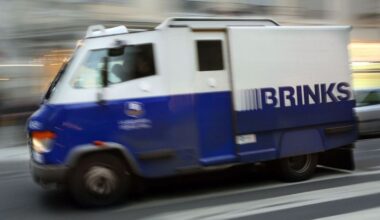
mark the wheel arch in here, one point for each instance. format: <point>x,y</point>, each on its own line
<point>300,142</point>
<point>81,151</point>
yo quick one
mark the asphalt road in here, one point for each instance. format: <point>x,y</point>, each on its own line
<point>231,194</point>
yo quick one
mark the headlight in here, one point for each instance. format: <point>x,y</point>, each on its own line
<point>42,141</point>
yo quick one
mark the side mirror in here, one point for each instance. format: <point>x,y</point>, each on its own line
<point>105,72</point>
<point>104,81</point>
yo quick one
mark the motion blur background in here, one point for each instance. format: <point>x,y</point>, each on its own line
<point>37,36</point>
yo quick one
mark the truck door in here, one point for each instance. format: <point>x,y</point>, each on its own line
<point>213,98</point>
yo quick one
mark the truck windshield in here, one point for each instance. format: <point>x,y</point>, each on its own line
<point>53,84</point>
<point>137,61</point>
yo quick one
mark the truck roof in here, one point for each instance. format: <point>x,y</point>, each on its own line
<point>210,23</point>
<point>214,22</point>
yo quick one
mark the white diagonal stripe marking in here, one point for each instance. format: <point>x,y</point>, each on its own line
<point>248,208</point>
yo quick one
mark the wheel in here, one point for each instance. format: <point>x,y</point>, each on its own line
<point>297,168</point>
<point>99,180</point>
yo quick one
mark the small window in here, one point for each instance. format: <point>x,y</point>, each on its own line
<point>137,61</point>
<point>210,56</point>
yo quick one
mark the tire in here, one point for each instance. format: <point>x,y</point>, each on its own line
<point>99,180</point>
<point>297,168</point>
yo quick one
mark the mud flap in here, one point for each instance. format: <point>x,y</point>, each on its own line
<point>341,158</point>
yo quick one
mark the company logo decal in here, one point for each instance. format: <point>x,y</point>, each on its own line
<point>137,112</point>
<point>134,109</point>
<point>35,125</point>
<point>135,124</point>
<point>287,96</point>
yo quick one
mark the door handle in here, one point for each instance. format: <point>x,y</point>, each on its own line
<point>211,82</point>
<point>145,87</point>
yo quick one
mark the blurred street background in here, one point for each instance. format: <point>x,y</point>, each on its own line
<point>38,36</point>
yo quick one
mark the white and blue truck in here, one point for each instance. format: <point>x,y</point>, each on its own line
<point>194,94</point>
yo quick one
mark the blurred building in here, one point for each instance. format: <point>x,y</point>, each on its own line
<point>37,36</point>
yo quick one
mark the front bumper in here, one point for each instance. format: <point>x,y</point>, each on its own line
<point>48,174</point>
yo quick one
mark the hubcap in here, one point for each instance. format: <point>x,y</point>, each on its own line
<point>100,180</point>
<point>300,164</point>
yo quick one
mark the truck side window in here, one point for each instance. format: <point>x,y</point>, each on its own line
<point>144,63</point>
<point>136,62</point>
<point>210,56</point>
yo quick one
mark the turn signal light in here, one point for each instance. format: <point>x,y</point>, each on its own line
<point>41,141</point>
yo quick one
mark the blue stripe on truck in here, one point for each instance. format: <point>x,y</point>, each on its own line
<point>199,128</point>
<point>295,116</point>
